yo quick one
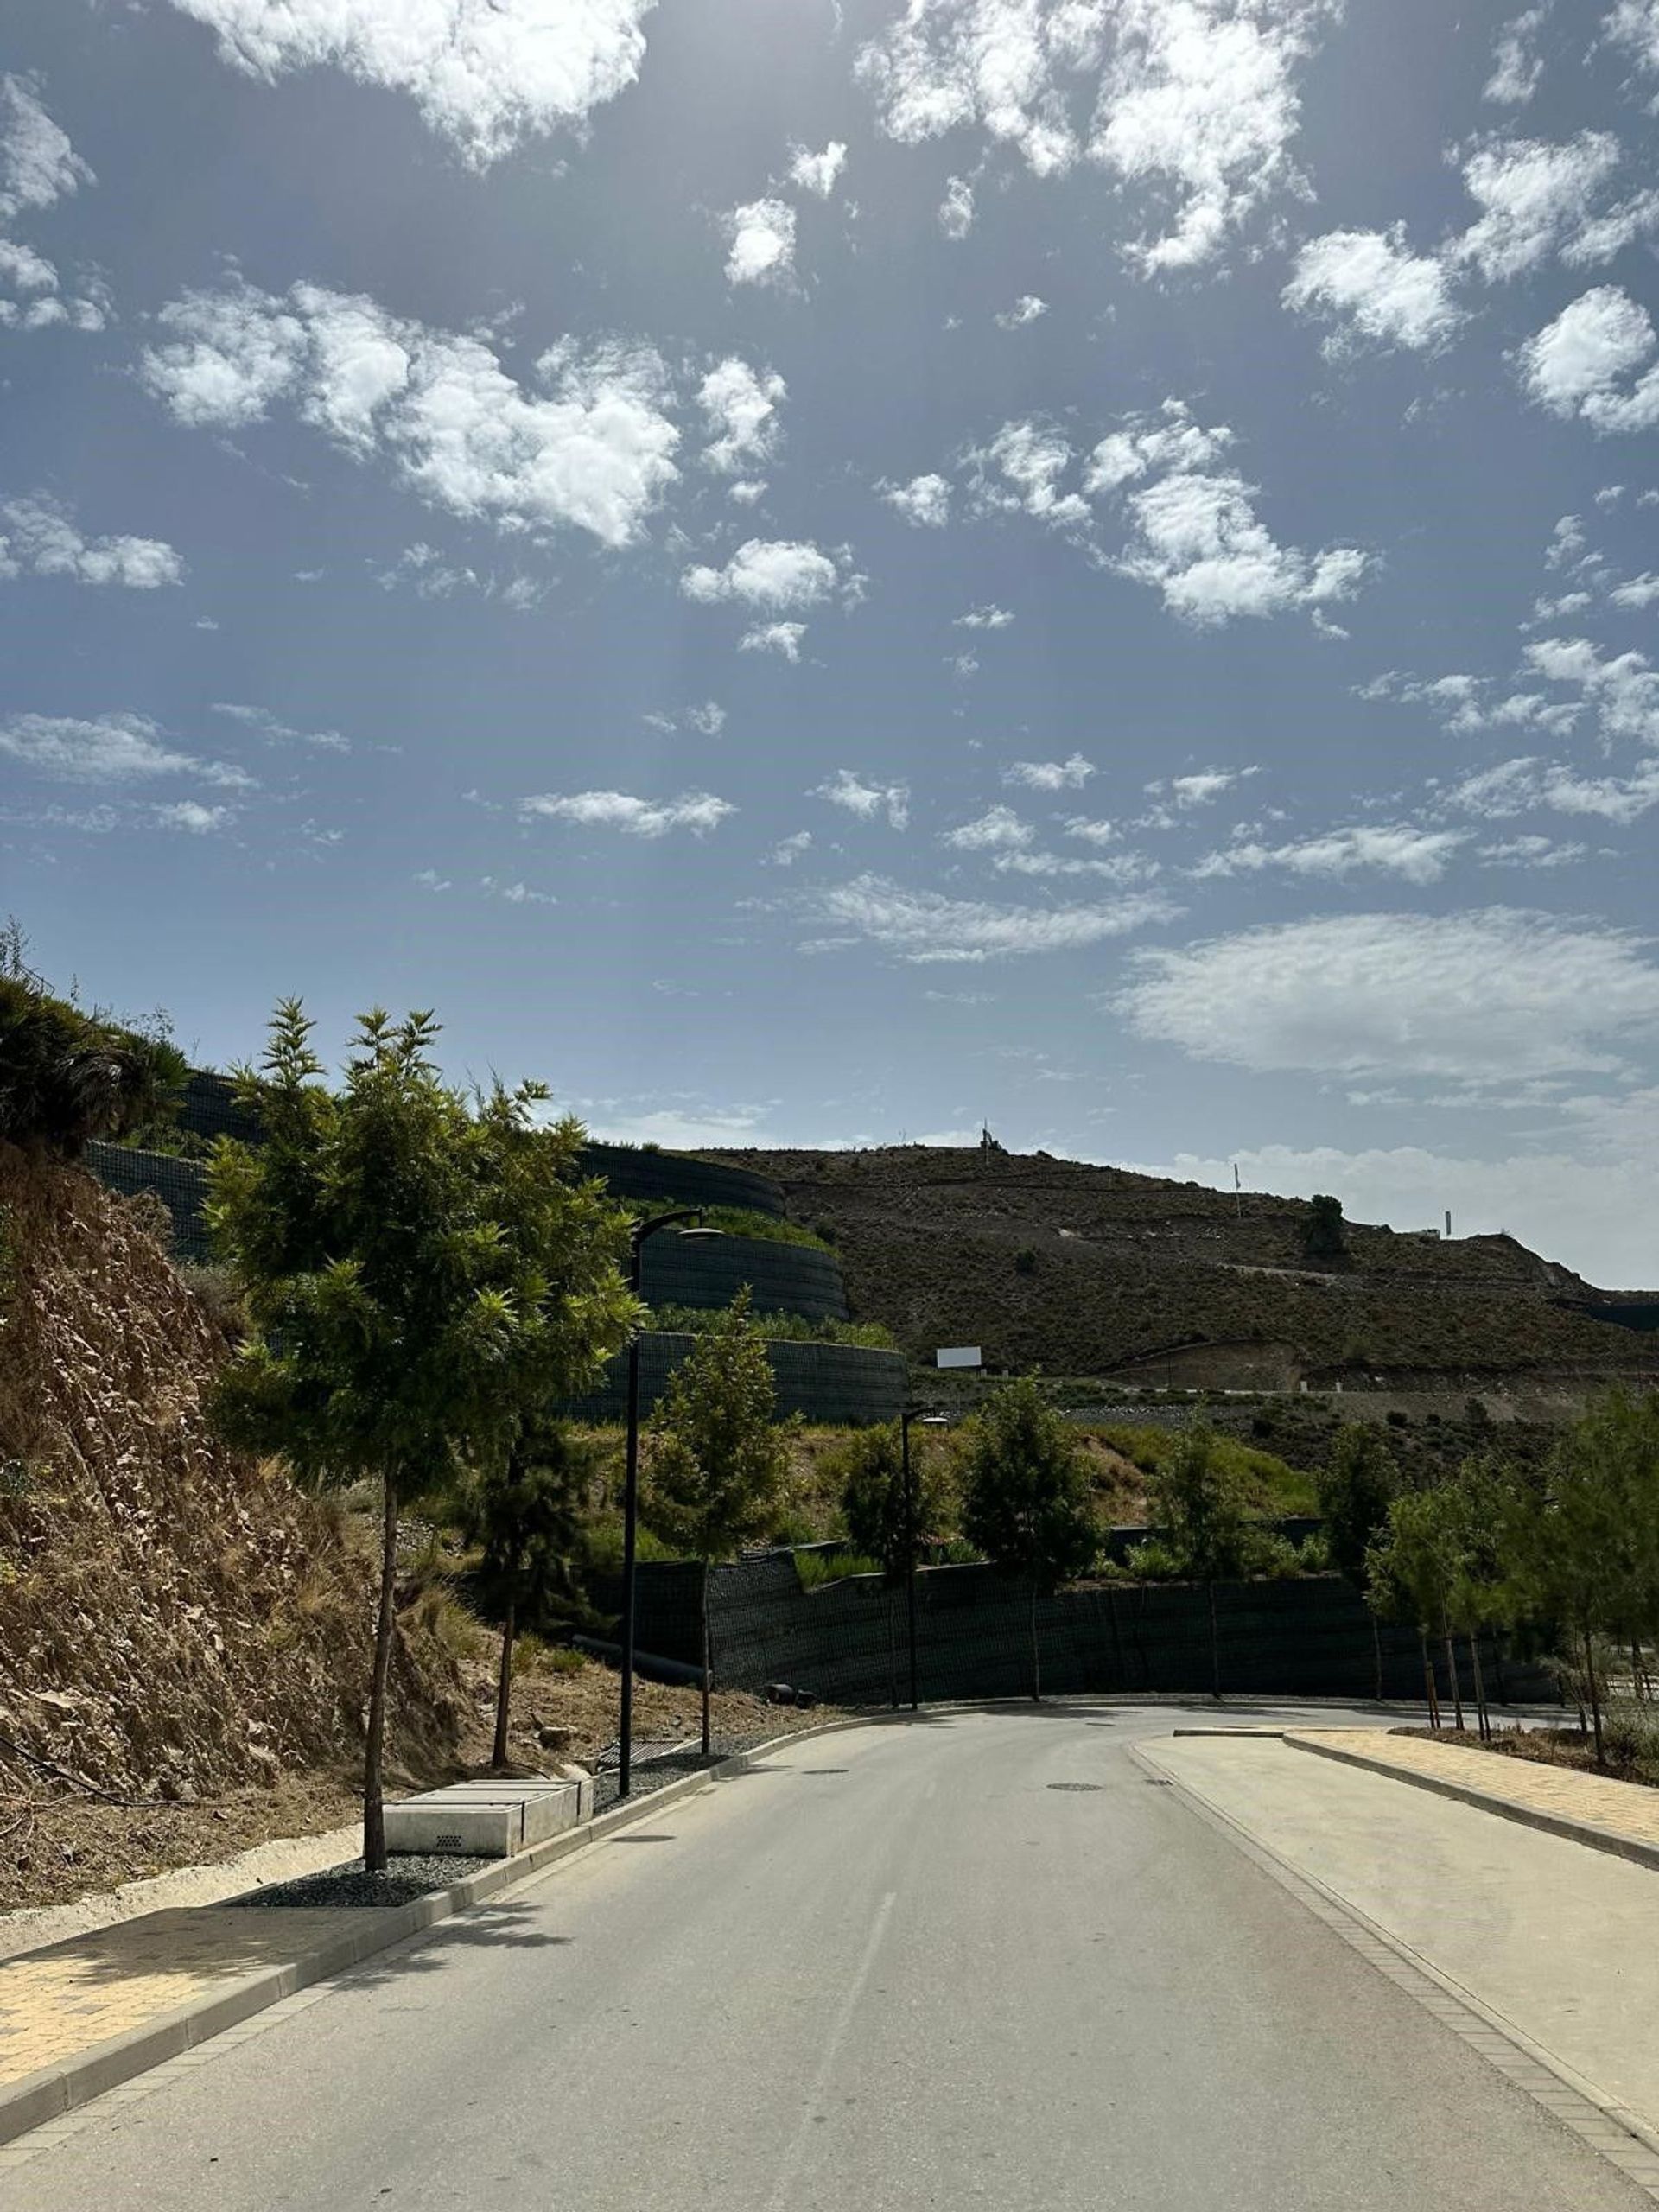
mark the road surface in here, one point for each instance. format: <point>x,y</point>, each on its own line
<point>980,1960</point>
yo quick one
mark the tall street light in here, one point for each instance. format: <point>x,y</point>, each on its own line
<point>927,1421</point>
<point>640,1232</point>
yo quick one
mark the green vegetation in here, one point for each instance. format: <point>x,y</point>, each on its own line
<point>737,1221</point>
<point>69,1074</point>
<point>1198,1498</point>
<point>817,1569</point>
<point>525,1511</point>
<point>885,1522</point>
<point>1026,1498</point>
<point>1325,1235</point>
<point>422,1274</point>
<point>716,1461</point>
<point>790,1328</point>
<point>1268,1485</point>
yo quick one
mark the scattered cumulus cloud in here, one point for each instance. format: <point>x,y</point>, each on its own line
<point>866,800</point>
<point>1416,855</point>
<point>776,574</point>
<point>588,444</point>
<point>192,817</point>
<point>1026,308</point>
<point>39,537</point>
<point>788,851</point>
<point>486,74</point>
<point>781,638</point>
<point>1584,363</point>
<point>740,409</point>
<point>109,749</point>
<point>817,172</point>
<point>1529,785</point>
<point>38,166</point>
<point>264,724</point>
<point>926,928</point>
<point>1021,471</point>
<point>1375,291</point>
<point>924,502</point>
<point>697,812</point>
<point>956,208</point>
<point>1516,64</point>
<point>1492,996</point>
<point>1068,775</point>
<point>760,243</point>
<point>990,617</point>
<point>1541,201</point>
<point>998,829</point>
<point>1634,24</point>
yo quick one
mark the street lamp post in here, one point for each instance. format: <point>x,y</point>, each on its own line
<point>640,1232</point>
<point>927,1421</point>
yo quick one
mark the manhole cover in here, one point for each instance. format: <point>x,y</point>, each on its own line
<point>1074,1785</point>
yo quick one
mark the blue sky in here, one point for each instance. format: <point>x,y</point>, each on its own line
<point>814,574</point>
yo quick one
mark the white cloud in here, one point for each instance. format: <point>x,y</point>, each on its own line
<point>1516,65</point>
<point>779,574</point>
<point>1527,785</point>
<point>591,447</point>
<point>1637,591</point>
<point>39,536</point>
<point>846,789</point>
<point>817,172</point>
<point>429,879</point>
<point>1538,199</point>
<point>1193,99</point>
<point>1197,537</point>
<point>983,618</point>
<point>38,165</point>
<point>1577,365</point>
<point>1092,833</point>
<point>1531,852</point>
<point>697,812</point>
<point>1068,775</point>
<point>1202,785</point>
<point>1634,24</point>
<point>1119,867</point>
<point>788,851</point>
<point>1622,690</point>
<point>708,720</point>
<point>1021,471</point>
<point>924,502</point>
<point>782,638</point>
<point>956,208</point>
<point>484,73</point>
<point>189,814</point>
<point>1026,308</point>
<point>514,894</point>
<point>1373,287</point>
<point>994,831</point>
<point>111,749</point>
<point>760,240</point>
<point>261,719</point>
<point>740,407</point>
<point>1492,996</point>
<point>748,491</point>
<point>925,927</point>
<point>1417,856</point>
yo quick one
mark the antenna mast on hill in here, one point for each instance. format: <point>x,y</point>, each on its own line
<point>1238,1199</point>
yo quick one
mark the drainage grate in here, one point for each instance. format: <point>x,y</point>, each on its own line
<point>1094,1786</point>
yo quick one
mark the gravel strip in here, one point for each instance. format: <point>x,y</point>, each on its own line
<point>409,1875</point>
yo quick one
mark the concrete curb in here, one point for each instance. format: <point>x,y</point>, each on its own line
<point>55,2091</point>
<point>1586,1832</point>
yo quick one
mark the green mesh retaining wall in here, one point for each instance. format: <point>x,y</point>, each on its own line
<point>182,1185</point>
<point>821,1382</point>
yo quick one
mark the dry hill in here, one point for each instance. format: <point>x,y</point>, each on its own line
<point>1093,1271</point>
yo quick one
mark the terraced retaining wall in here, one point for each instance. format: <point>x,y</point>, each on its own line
<point>821,1382</point>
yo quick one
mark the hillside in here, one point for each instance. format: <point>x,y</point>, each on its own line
<point>1094,1271</point>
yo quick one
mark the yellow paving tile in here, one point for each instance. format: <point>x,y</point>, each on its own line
<point>57,2003</point>
<point>1625,1808</point>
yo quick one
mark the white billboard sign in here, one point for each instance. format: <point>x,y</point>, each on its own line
<point>958,1356</point>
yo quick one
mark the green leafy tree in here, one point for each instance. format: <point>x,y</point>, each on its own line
<point>717,1461</point>
<point>1354,1488</point>
<point>1197,1498</point>
<point>423,1272</point>
<point>1413,1565</point>
<point>525,1509</point>
<point>878,1514</point>
<point>1027,1502</point>
<point>1324,1235</point>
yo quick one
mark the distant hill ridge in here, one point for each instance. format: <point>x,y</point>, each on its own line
<point>1096,1270</point>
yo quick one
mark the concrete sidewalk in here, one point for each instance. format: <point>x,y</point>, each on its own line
<point>1551,1943</point>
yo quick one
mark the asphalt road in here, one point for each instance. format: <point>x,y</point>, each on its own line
<point>890,1969</point>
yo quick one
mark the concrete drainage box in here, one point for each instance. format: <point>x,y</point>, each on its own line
<point>488,1820</point>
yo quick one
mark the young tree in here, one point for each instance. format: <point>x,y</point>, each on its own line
<point>525,1508</point>
<point>1199,1502</point>
<point>1418,1558</point>
<point>1354,1488</point>
<point>879,1516</point>
<point>422,1271</point>
<point>1324,1237</point>
<point>716,1461</point>
<point>1027,1502</point>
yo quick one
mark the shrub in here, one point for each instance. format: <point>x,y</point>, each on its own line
<point>818,1568</point>
<point>1274,1557</point>
<point>1151,1561</point>
<point>1025,1261</point>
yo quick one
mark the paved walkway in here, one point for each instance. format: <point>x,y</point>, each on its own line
<point>57,2003</point>
<point>1625,1809</point>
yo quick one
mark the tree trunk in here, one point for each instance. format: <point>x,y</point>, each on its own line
<point>1214,1645</point>
<point>893,1658</point>
<point>1595,1696</point>
<point>374,1816</point>
<point>1428,1683</point>
<point>1036,1653</point>
<point>1482,1720</point>
<point>708,1661</point>
<point>1452,1671</point>
<point>504,1693</point>
<point>1377,1657</point>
